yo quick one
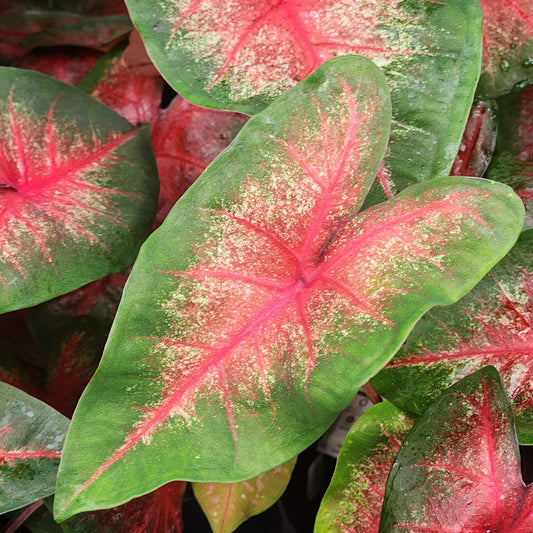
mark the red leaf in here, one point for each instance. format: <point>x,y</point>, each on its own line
<point>186,138</point>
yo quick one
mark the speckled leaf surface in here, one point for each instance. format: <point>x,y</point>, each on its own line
<point>459,467</point>
<point>430,52</point>
<point>262,283</point>
<point>513,161</point>
<point>507,46</point>
<point>352,503</point>
<point>492,325</point>
<point>78,192</point>
<point>31,438</point>
<point>227,505</point>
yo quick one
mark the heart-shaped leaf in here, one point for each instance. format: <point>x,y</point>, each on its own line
<point>227,505</point>
<point>507,46</point>
<point>31,438</point>
<point>430,53</point>
<point>492,325</point>
<point>459,467</point>
<point>513,161</point>
<point>354,497</point>
<point>263,283</point>
<point>78,191</point>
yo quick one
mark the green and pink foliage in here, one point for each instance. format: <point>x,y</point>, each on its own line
<point>459,466</point>
<point>227,505</point>
<point>31,439</point>
<point>507,46</point>
<point>492,325</point>
<point>78,192</point>
<point>513,161</point>
<point>430,53</point>
<point>265,263</point>
<point>352,503</point>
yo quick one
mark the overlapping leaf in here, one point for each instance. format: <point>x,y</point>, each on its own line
<point>430,52</point>
<point>513,161</point>
<point>262,283</point>
<point>459,467</point>
<point>31,438</point>
<point>507,46</point>
<point>78,191</point>
<point>352,503</point>
<point>227,505</point>
<point>492,325</point>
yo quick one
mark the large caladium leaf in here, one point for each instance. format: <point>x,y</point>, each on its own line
<point>352,503</point>
<point>507,46</point>
<point>493,325</point>
<point>78,191</point>
<point>430,53</point>
<point>31,438</point>
<point>513,161</point>
<point>263,283</point>
<point>227,505</point>
<point>459,467</point>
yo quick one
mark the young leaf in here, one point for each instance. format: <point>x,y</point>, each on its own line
<point>31,438</point>
<point>492,325</point>
<point>78,191</point>
<point>352,503</point>
<point>513,161</point>
<point>507,46</point>
<point>125,80</point>
<point>227,505</point>
<point>459,467</point>
<point>430,53</point>
<point>262,284</point>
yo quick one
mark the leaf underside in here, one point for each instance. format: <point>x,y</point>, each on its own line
<point>459,467</point>
<point>492,325</point>
<point>78,193</point>
<point>264,281</point>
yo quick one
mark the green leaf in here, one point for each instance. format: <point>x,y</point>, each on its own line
<point>430,53</point>
<point>31,439</point>
<point>78,191</point>
<point>492,325</point>
<point>227,505</point>
<point>513,161</point>
<point>507,46</point>
<point>355,495</point>
<point>263,283</point>
<point>459,467</point>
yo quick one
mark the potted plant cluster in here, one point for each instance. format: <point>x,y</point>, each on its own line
<point>221,220</point>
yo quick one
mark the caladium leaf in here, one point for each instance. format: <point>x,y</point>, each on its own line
<point>507,46</point>
<point>513,161</point>
<point>125,80</point>
<point>78,192</point>
<point>186,138</point>
<point>270,45</point>
<point>31,438</point>
<point>459,467</point>
<point>492,325</point>
<point>261,284</point>
<point>227,505</point>
<point>478,142</point>
<point>63,64</point>
<point>352,503</point>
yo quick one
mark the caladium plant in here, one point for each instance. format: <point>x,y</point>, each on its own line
<point>271,291</point>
